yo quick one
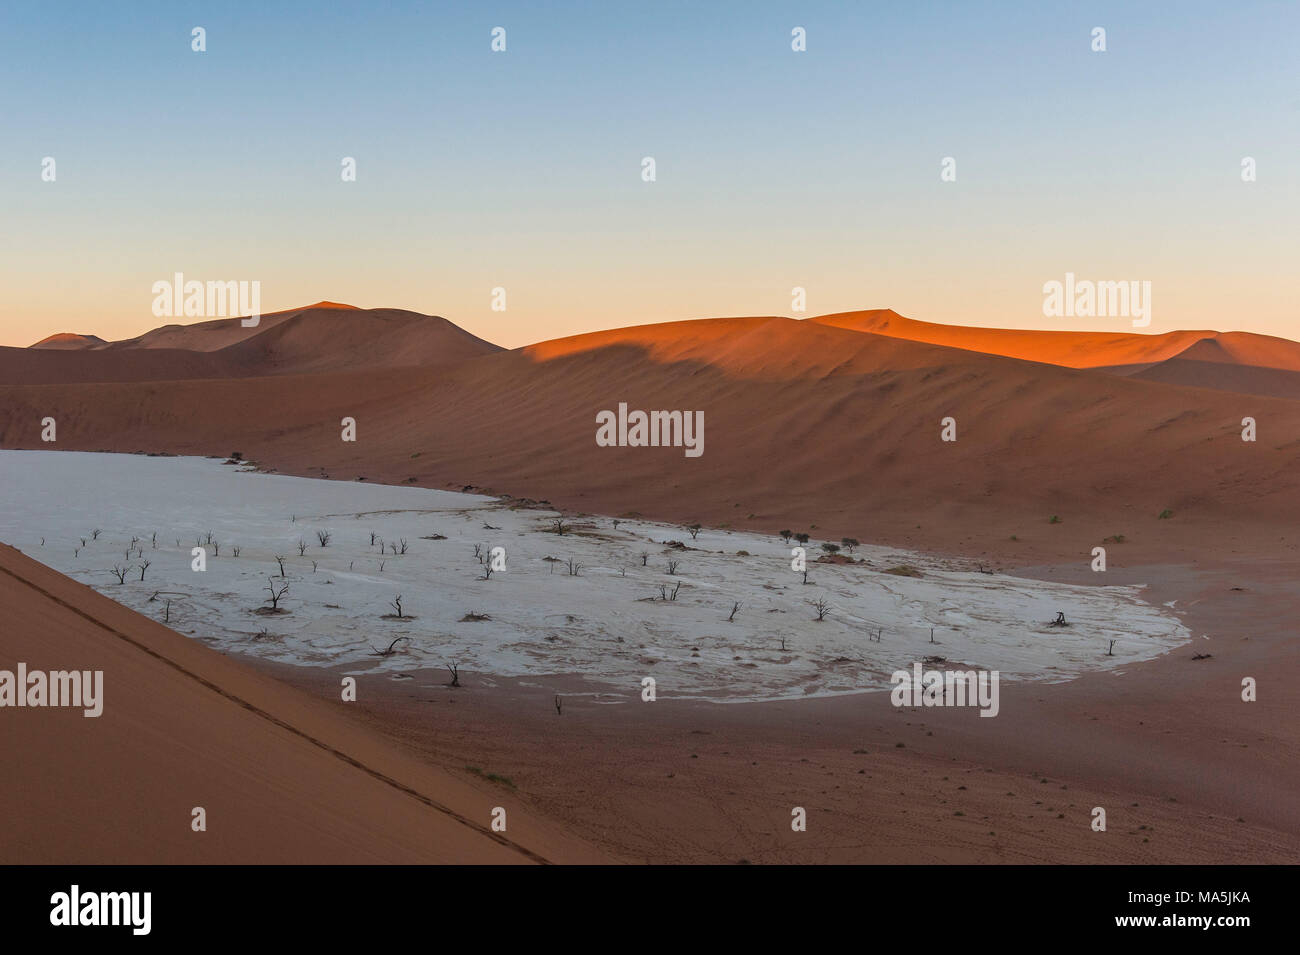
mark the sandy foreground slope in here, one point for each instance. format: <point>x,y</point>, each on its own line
<point>282,777</point>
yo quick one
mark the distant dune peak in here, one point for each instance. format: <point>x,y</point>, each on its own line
<point>307,308</point>
<point>69,340</point>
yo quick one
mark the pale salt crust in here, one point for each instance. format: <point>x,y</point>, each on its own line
<point>601,625</point>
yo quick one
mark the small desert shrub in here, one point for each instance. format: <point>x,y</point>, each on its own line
<point>903,570</point>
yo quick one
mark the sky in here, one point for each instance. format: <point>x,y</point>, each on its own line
<point>774,168</point>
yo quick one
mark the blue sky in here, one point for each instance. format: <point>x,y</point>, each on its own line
<point>774,168</point>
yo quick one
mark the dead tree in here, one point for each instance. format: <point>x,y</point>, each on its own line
<point>302,547</point>
<point>694,530</point>
<point>396,604</point>
<point>143,567</point>
<point>280,560</point>
<point>559,705</point>
<point>735,607</point>
<point>455,673</point>
<point>672,566</point>
<point>821,606</point>
<point>324,537</point>
<point>559,526</point>
<point>277,593</point>
<point>120,573</point>
<point>375,651</point>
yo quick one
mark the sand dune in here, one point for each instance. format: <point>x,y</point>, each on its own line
<point>219,333</point>
<point>1223,364</point>
<point>283,776</point>
<point>1111,350</point>
<point>318,338</point>
<point>806,424</point>
<point>70,341</point>
<point>830,426</point>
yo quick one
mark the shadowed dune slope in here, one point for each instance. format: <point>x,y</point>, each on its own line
<point>1223,364</point>
<point>282,775</point>
<point>806,424</point>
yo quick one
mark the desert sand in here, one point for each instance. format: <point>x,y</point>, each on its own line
<point>829,426</point>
